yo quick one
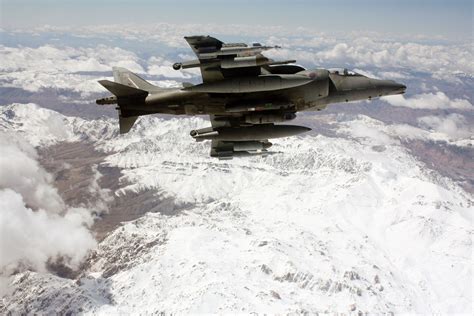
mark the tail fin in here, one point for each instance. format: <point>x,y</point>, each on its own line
<point>129,90</point>
<point>131,95</point>
<point>128,78</point>
<point>121,90</point>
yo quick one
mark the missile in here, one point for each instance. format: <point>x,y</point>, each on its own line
<point>237,62</point>
<point>239,51</point>
<point>248,133</point>
<point>252,61</point>
<point>187,64</point>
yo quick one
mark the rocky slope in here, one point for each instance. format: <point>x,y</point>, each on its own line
<point>326,224</point>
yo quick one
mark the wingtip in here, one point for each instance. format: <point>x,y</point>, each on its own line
<point>104,82</point>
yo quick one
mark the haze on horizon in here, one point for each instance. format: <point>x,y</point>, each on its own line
<point>452,19</point>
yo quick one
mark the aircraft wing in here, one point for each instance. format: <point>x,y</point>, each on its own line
<point>203,44</point>
<point>218,60</point>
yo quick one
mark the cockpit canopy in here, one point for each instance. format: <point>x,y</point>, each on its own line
<point>343,72</point>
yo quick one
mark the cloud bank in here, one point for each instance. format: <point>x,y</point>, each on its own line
<point>431,101</point>
<point>453,125</point>
<point>59,67</point>
<point>21,172</point>
<point>35,223</point>
<point>47,66</point>
<point>453,129</point>
<point>442,60</point>
<point>31,238</point>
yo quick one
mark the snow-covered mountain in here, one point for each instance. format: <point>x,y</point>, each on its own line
<point>326,224</point>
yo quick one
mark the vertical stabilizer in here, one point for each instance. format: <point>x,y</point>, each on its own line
<point>125,96</point>
<point>129,90</point>
<point>128,78</point>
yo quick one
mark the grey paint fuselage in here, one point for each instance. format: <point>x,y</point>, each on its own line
<point>244,92</point>
<point>298,92</point>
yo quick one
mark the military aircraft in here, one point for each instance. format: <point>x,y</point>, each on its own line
<point>244,92</point>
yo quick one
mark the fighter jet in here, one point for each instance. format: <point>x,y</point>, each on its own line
<point>244,92</point>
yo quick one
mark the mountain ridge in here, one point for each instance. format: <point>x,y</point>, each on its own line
<point>327,224</point>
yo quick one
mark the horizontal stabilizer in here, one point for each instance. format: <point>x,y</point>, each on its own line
<point>121,90</point>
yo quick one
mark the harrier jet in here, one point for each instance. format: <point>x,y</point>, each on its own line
<point>244,93</point>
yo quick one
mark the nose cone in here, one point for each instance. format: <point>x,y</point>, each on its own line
<point>389,87</point>
<point>399,88</point>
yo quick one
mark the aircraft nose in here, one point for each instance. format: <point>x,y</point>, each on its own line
<point>391,87</point>
<point>400,88</point>
<point>395,87</point>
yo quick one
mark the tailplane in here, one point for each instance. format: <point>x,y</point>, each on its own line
<point>128,90</point>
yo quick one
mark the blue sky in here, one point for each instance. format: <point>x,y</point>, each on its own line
<point>426,17</point>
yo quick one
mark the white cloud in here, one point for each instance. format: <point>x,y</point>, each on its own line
<point>438,100</point>
<point>359,129</point>
<point>405,131</point>
<point>61,67</point>
<point>51,59</point>
<point>100,195</point>
<point>452,128</point>
<point>443,61</point>
<point>454,125</point>
<point>47,66</point>
<point>21,172</point>
<point>170,34</point>
<point>35,224</point>
<point>366,73</point>
<point>305,56</point>
<point>393,75</point>
<point>357,49</point>
<point>158,66</point>
<point>31,238</point>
